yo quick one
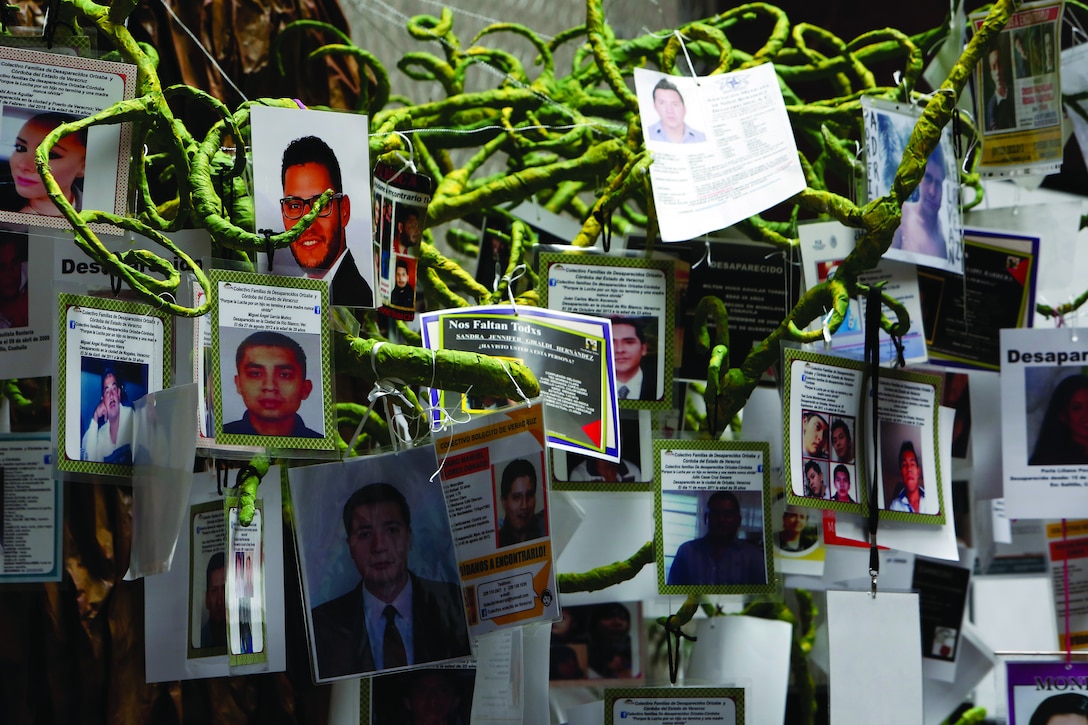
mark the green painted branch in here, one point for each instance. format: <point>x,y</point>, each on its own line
<point>684,614</point>
<point>14,394</point>
<point>442,369</point>
<point>248,488</point>
<point>606,576</point>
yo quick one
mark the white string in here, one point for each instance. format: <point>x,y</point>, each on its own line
<point>510,279</point>
<point>204,50</point>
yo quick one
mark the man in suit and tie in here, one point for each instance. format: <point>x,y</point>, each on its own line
<point>636,373</point>
<point>392,618</point>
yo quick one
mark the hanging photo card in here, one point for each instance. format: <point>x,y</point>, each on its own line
<point>1067,556</point>
<point>633,472</point>
<point>378,566</point>
<point>31,510</point>
<point>297,156</point>
<point>758,286</point>
<point>1018,93</point>
<point>1044,386</point>
<point>911,475</point>
<point>40,91</point>
<point>713,517</point>
<point>270,360</point>
<point>637,295</point>
<point>930,231</point>
<point>823,397</point>
<point>247,641</point>
<point>570,354</point>
<point>723,148</point>
<point>824,245</point>
<point>963,315</point>
<point>495,481</point>
<point>668,705</point>
<point>1074,65</point>
<point>112,352</point>
<point>401,197</point>
<point>1041,693</point>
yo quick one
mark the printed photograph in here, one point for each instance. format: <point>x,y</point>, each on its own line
<point>366,529</point>
<point>21,187</point>
<point>107,391</point>
<point>713,538</point>
<point>14,277</point>
<point>1056,419</point>
<point>271,383</point>
<point>519,501</point>
<point>298,155</point>
<point>800,530</point>
<point>578,468</point>
<point>442,696</point>
<point>904,472</point>
<point>638,366</point>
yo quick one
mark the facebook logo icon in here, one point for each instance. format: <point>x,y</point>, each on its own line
<point>317,309</point>
<point>71,324</point>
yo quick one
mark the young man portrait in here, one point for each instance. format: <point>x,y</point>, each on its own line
<point>308,170</point>
<point>517,494</point>
<point>270,376</point>
<point>636,371</point>
<point>108,438</point>
<point>670,108</point>
<point>392,618</point>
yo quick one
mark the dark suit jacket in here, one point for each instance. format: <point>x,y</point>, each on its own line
<point>349,289</point>
<point>438,621</point>
<point>648,389</point>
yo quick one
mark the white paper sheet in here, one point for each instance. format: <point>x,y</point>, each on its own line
<point>875,662</point>
<point>738,156</point>
<point>731,649</point>
<point>1043,386</point>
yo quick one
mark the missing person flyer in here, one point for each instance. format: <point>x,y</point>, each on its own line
<point>713,517</point>
<point>1040,693</point>
<point>570,354</point>
<point>400,208</point>
<point>669,705</point>
<point>495,481</point>
<point>723,148</point>
<point>1044,426</point>
<point>757,286</point>
<point>1067,553</point>
<point>270,341</point>
<point>1018,92</point>
<point>39,92</point>
<point>824,246</point>
<point>30,510</point>
<point>637,294</point>
<point>962,315</point>
<point>911,482</point>
<point>823,397</point>
<point>112,353</point>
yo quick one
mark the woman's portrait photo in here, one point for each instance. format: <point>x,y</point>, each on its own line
<point>23,191</point>
<point>1061,437</point>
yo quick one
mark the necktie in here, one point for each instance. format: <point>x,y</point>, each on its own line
<point>623,391</point>
<point>392,644</point>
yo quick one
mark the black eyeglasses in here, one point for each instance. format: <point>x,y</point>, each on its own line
<point>294,207</point>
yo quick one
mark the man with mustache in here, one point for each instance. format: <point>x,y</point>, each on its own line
<point>309,170</point>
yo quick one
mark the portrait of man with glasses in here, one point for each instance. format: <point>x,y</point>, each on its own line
<point>310,169</point>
